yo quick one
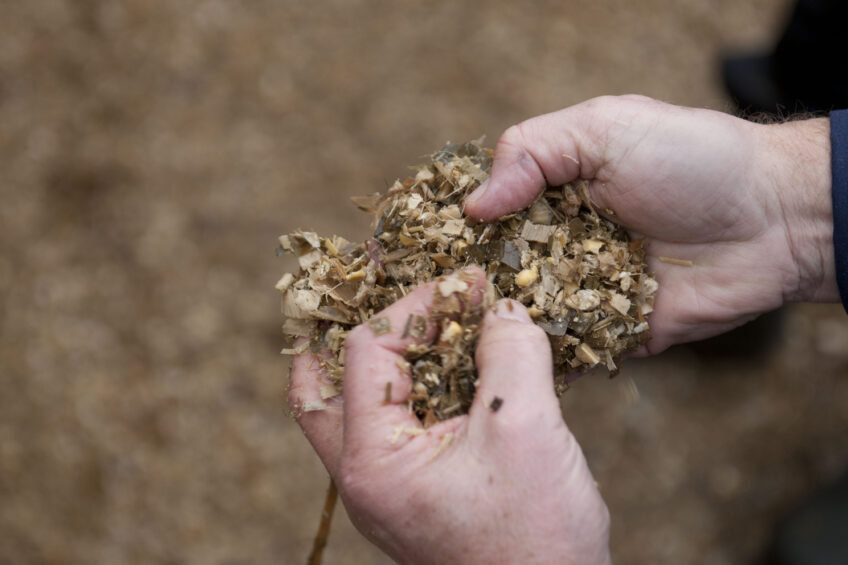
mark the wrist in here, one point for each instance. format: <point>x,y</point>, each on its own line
<point>797,161</point>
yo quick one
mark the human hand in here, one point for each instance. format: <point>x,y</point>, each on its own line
<point>506,485</point>
<point>748,204</point>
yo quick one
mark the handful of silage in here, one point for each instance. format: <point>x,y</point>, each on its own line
<point>581,277</point>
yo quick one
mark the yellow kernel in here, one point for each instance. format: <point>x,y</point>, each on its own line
<point>355,276</point>
<point>450,333</point>
<point>526,277</point>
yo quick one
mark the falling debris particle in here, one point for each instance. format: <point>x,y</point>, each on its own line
<point>580,276</point>
<point>673,261</point>
<point>387,398</point>
<point>320,541</point>
<point>496,404</point>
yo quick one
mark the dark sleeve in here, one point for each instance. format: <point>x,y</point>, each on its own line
<point>839,167</point>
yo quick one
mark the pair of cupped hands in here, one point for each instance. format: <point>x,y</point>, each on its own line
<point>748,204</point>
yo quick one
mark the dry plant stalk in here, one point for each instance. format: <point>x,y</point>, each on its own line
<point>320,541</point>
<point>581,277</point>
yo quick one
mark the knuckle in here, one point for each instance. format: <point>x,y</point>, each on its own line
<point>634,98</point>
<point>599,103</point>
<point>511,137</point>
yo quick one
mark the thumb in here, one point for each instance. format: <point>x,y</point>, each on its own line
<point>516,368</point>
<point>557,148</point>
<point>539,152</point>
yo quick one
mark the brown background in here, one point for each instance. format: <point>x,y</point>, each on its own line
<point>150,153</point>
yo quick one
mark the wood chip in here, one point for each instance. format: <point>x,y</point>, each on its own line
<point>285,282</point>
<point>673,261</point>
<point>329,391</point>
<point>620,303</point>
<point>380,326</point>
<point>587,355</point>
<point>451,285</point>
<point>313,406</point>
<point>295,350</point>
<point>496,404</point>
<point>537,233</point>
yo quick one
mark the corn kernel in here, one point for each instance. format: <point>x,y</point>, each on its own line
<point>526,277</point>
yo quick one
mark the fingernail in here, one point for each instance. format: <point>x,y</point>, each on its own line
<point>477,194</point>
<point>512,310</point>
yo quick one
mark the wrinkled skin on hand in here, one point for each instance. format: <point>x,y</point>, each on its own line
<point>748,204</point>
<point>511,487</point>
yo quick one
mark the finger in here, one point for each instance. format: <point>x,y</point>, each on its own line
<point>321,419</point>
<point>548,150</point>
<point>375,370</point>
<point>516,370</point>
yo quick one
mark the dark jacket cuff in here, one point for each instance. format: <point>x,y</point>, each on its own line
<point>839,167</point>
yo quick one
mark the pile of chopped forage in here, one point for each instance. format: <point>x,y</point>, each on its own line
<point>581,277</point>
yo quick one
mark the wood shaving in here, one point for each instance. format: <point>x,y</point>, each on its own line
<point>447,440</point>
<point>399,431</point>
<point>673,261</point>
<point>582,278</point>
<point>329,391</point>
<point>295,350</point>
